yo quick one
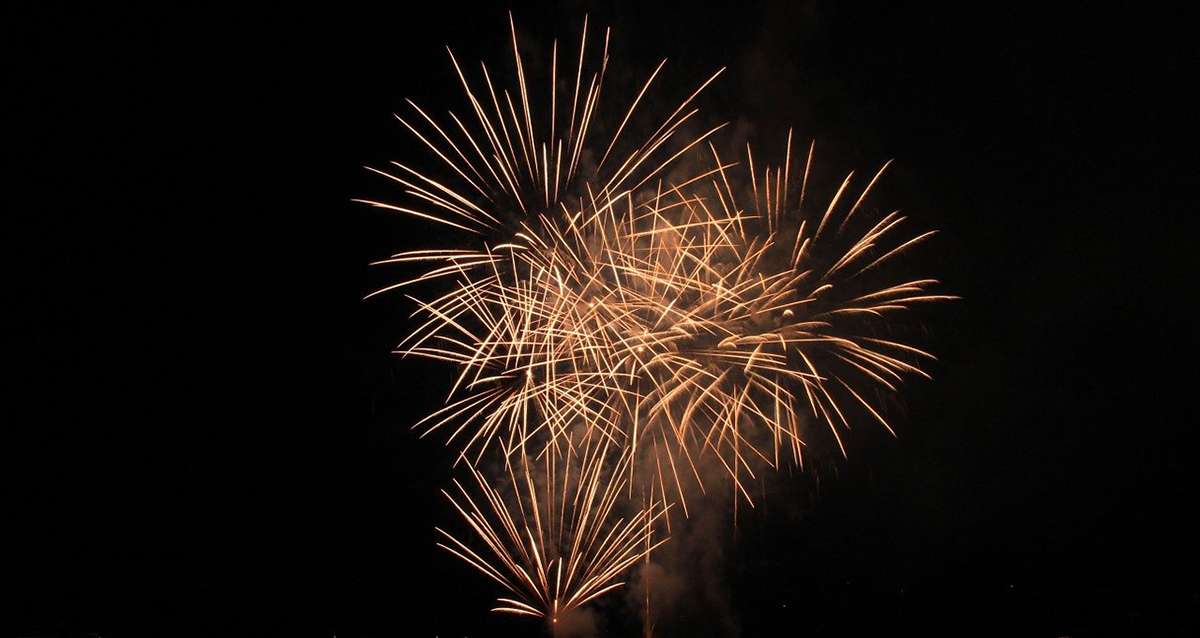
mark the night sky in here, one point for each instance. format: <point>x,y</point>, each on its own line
<point>211,437</point>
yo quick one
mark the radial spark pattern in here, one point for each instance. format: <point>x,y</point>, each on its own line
<point>656,310</point>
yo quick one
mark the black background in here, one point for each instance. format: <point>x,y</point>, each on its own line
<point>211,438</point>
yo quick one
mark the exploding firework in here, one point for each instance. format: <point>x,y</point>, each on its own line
<point>618,327</point>
<point>553,534</point>
<point>507,173</point>
<point>683,321</point>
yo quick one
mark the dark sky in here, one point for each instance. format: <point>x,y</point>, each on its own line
<point>211,438</point>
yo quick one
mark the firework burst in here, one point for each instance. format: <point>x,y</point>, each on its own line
<point>616,328</point>
<point>553,534</point>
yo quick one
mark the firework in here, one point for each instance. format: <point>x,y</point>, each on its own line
<point>506,172</point>
<point>502,194</point>
<point>635,319</point>
<point>553,535</point>
<point>684,319</point>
